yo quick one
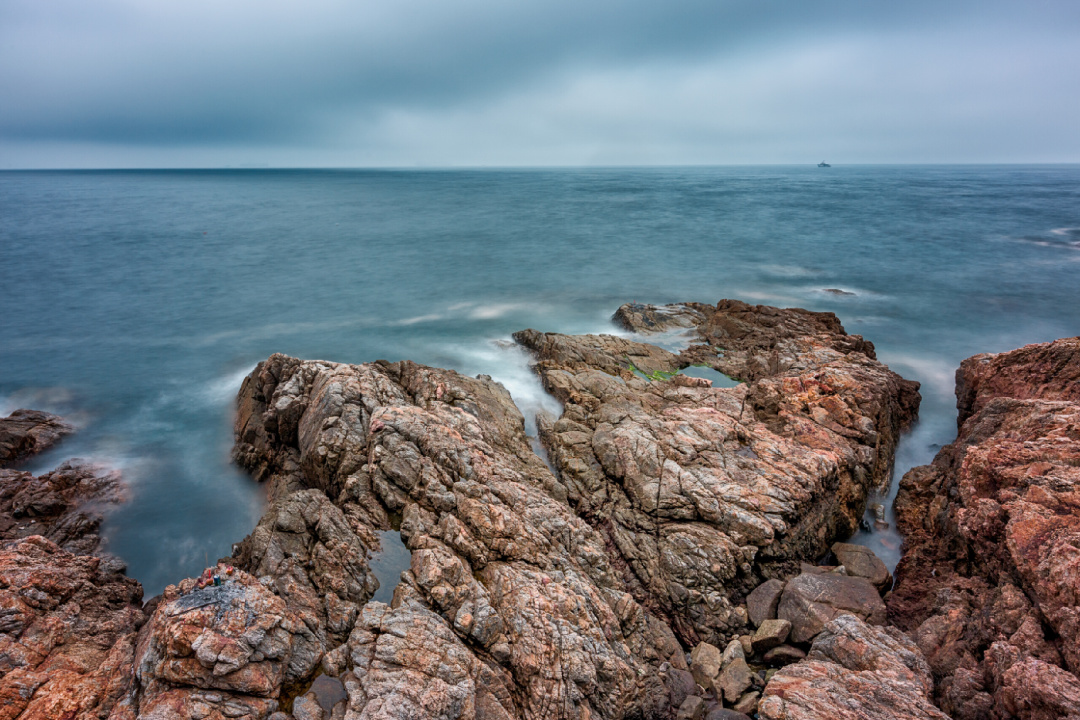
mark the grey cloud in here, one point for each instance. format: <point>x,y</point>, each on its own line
<point>331,73</point>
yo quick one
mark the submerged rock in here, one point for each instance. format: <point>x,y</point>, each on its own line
<point>989,583</point>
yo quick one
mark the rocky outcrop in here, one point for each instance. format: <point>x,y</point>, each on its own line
<point>511,607</point>
<point>854,671</point>
<point>64,505</point>
<point>701,492</point>
<point>68,626</point>
<point>529,593</point>
<point>989,584</point>
<point>24,433</point>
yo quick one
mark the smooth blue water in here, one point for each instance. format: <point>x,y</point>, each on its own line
<point>136,301</point>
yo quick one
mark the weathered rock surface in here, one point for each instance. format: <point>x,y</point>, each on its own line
<point>692,708</point>
<point>854,671</point>
<point>991,560</point>
<point>702,492</point>
<point>27,432</point>
<point>237,640</point>
<point>721,713</point>
<point>64,505</point>
<point>511,605</point>
<point>705,663</point>
<point>67,633</point>
<point>408,662</point>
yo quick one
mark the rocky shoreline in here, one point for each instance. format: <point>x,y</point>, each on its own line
<point>679,558</point>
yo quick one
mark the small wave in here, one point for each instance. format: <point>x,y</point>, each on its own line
<point>1064,238</point>
<point>509,364</point>
<point>788,271</point>
<point>674,341</point>
<point>491,312</point>
<point>1072,233</point>
<point>60,401</point>
<point>769,297</point>
<point>418,319</point>
<point>57,400</point>
<point>221,390</point>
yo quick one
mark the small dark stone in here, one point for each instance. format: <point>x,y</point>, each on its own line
<point>762,602</point>
<point>692,708</point>
<point>783,655</point>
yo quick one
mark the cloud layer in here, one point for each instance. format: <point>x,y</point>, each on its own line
<point>479,82</point>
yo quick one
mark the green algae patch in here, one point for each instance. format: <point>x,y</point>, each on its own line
<point>698,370</point>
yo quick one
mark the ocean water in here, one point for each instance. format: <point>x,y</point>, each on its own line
<point>134,302</point>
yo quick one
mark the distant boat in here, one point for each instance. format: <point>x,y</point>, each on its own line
<point>823,164</point>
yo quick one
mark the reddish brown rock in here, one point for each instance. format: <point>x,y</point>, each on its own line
<point>408,662</point>
<point>811,600</point>
<point>67,633</point>
<point>703,491</point>
<point>237,637</point>
<point>762,602</point>
<point>860,561</point>
<point>854,671</point>
<point>24,433</point>
<point>783,655</point>
<point>992,530</point>
<point>528,595</point>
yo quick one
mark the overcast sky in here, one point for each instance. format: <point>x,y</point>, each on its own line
<point>211,83</point>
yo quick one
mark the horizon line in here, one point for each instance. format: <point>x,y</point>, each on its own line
<point>429,168</point>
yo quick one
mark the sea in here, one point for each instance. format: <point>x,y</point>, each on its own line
<point>134,302</point>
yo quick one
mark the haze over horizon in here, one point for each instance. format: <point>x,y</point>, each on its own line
<point>418,83</point>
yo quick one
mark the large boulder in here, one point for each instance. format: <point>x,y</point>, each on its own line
<point>992,530</point>
<point>854,671</point>
<point>811,600</point>
<point>408,662</point>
